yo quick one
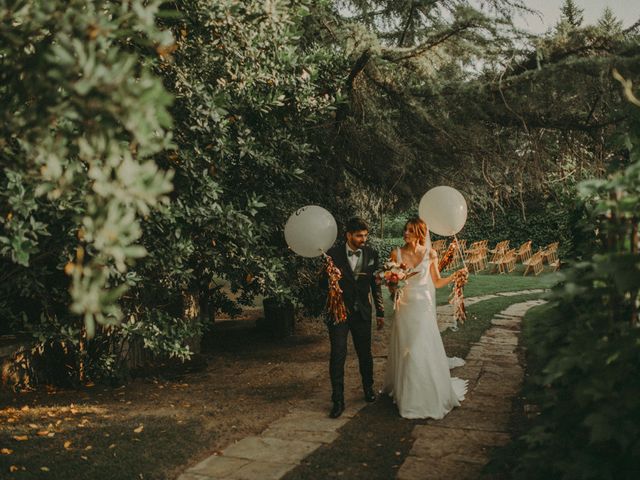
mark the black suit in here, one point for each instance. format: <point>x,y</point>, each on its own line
<point>356,288</point>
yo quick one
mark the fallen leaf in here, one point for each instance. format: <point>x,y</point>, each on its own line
<point>21,438</point>
<point>33,425</point>
<point>67,444</point>
<point>139,429</point>
<point>6,451</point>
<point>25,408</point>
<point>11,420</point>
<point>83,457</point>
<point>43,433</point>
<point>88,447</point>
<point>13,468</point>
<point>44,469</point>
<point>113,445</point>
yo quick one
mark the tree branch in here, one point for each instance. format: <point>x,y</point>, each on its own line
<point>432,43</point>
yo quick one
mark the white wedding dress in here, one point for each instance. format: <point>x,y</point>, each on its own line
<point>417,375</point>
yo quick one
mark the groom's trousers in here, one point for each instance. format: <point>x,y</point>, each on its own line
<point>360,329</point>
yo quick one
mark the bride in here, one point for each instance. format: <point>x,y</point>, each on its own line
<point>417,375</point>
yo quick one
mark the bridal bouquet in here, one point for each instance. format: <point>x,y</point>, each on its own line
<point>394,276</point>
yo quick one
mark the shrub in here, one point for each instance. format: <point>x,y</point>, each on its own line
<point>583,353</point>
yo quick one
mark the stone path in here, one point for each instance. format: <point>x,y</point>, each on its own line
<point>445,312</point>
<point>494,375</point>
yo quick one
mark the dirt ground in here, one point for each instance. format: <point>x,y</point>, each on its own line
<point>242,382</point>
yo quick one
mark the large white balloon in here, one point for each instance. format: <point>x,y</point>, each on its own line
<point>444,209</point>
<point>310,231</point>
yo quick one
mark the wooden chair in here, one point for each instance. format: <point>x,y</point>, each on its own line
<point>439,246</point>
<point>509,261</point>
<point>500,247</point>
<point>524,252</point>
<point>477,254</point>
<point>534,264</point>
<point>551,255</point>
<point>498,255</point>
<point>550,250</point>
<point>497,258</point>
<point>475,262</point>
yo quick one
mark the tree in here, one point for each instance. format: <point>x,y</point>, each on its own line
<point>83,116</point>
<point>571,16</point>
<point>87,142</point>
<point>609,24</point>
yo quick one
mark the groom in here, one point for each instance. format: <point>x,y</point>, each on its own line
<point>357,262</point>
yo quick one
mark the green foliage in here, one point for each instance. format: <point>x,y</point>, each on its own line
<point>572,15</point>
<point>584,351</point>
<point>94,181</point>
<point>82,117</point>
<point>249,97</point>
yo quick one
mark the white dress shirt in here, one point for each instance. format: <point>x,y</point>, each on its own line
<point>353,259</point>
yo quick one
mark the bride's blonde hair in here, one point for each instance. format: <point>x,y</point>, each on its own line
<point>417,227</point>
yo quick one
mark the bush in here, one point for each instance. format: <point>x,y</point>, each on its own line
<point>385,246</point>
<point>583,353</point>
<point>553,222</point>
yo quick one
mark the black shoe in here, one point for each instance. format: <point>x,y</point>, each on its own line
<point>369,395</point>
<point>338,408</point>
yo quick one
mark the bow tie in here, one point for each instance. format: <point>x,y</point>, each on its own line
<point>357,253</point>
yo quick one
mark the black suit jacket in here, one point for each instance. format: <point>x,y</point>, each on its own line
<point>356,287</point>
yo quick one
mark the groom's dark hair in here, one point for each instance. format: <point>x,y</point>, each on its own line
<point>355,224</point>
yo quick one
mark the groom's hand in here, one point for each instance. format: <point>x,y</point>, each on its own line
<point>380,322</point>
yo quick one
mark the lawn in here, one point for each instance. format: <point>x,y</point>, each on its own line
<point>486,284</point>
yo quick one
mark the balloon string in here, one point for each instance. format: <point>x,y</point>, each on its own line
<point>460,250</point>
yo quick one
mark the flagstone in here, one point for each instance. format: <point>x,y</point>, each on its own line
<point>268,449</point>
<point>309,421</point>
<point>261,471</point>
<point>194,476</point>
<point>303,435</point>
<point>416,468</point>
<point>217,466</point>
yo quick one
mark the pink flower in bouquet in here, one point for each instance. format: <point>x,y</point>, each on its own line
<point>394,276</point>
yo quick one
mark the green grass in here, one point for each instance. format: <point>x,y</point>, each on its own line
<point>479,317</point>
<point>486,284</point>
